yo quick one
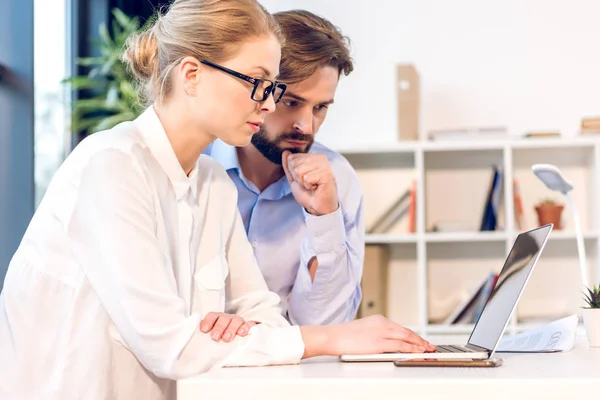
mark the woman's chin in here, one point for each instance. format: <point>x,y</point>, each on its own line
<point>238,140</point>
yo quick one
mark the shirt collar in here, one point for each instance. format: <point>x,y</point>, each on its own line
<point>227,156</point>
<point>156,139</point>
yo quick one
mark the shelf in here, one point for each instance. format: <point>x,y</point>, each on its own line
<point>391,239</point>
<point>451,237</point>
<point>464,146</point>
<point>561,235</point>
<point>427,271</point>
<point>449,329</point>
<point>375,148</point>
<point>460,237</point>
<point>466,329</point>
<point>470,145</point>
<point>568,235</point>
<point>552,143</point>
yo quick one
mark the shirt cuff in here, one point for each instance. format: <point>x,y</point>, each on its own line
<point>327,232</point>
<point>266,345</point>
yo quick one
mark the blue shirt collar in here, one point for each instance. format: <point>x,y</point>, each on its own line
<point>227,156</point>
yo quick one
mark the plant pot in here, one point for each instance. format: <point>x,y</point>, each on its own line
<point>591,322</point>
<point>549,214</point>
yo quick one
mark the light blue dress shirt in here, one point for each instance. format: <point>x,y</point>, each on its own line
<point>285,237</point>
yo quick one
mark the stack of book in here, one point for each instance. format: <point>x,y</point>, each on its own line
<point>482,133</point>
<point>469,311</point>
<point>405,205</point>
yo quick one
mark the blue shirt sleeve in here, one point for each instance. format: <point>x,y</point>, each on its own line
<point>337,240</point>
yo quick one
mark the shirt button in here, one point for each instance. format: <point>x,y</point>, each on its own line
<point>255,244</point>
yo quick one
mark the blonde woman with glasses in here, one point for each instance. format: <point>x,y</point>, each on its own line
<point>135,270</point>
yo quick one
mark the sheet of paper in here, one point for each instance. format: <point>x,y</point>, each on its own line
<point>558,335</point>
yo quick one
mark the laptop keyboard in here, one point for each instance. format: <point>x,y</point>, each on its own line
<point>452,349</point>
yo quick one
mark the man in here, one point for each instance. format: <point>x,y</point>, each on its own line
<point>301,203</point>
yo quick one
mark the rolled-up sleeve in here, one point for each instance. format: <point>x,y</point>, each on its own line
<point>337,240</point>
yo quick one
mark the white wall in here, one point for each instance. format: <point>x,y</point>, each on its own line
<point>523,64</point>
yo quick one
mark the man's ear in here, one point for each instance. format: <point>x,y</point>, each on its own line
<point>189,72</point>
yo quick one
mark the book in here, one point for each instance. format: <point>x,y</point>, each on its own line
<point>489,218</point>
<point>469,310</point>
<point>392,214</point>
<point>518,206</point>
<point>405,205</point>
<point>493,133</point>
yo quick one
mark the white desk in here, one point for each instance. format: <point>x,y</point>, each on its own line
<point>574,374</point>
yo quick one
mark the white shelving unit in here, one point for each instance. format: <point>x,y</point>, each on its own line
<point>429,273</point>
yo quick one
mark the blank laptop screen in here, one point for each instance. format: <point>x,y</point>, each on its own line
<point>511,282</point>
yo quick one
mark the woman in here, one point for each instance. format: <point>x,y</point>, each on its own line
<point>138,240</point>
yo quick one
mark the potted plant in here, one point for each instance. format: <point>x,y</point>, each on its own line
<point>110,96</point>
<point>549,212</point>
<point>591,316</point>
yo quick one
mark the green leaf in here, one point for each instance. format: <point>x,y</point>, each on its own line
<point>83,82</point>
<point>81,124</point>
<point>113,120</point>
<point>105,36</point>
<point>126,22</point>
<point>114,98</point>
<point>90,61</point>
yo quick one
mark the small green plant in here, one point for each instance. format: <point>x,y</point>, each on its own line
<point>113,97</point>
<point>592,298</point>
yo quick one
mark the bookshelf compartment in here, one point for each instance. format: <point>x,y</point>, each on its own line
<point>385,179</point>
<point>402,285</point>
<point>577,164</point>
<point>457,184</point>
<point>455,271</point>
<point>554,289</point>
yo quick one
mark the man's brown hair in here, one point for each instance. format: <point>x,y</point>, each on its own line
<point>311,42</point>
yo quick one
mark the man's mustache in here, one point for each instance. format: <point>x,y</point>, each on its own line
<point>301,137</point>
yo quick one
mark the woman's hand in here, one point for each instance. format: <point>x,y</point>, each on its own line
<point>225,326</point>
<point>370,335</point>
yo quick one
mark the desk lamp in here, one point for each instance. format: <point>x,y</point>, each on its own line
<point>550,175</point>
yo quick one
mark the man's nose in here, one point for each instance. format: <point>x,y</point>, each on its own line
<point>304,124</point>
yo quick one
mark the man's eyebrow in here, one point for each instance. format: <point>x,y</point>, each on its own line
<point>302,99</point>
<point>289,94</point>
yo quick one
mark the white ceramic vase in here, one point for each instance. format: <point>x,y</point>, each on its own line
<point>591,322</point>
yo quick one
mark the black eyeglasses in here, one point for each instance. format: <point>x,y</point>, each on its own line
<point>262,87</point>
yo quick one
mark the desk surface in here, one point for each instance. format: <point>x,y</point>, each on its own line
<point>551,375</point>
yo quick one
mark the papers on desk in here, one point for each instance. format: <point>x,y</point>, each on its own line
<point>558,335</point>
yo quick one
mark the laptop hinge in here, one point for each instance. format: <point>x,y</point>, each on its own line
<point>478,348</point>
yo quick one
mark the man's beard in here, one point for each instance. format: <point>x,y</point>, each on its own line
<point>271,148</point>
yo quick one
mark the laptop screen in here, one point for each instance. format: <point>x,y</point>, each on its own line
<point>509,286</point>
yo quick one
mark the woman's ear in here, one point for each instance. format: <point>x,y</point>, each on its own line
<point>189,72</point>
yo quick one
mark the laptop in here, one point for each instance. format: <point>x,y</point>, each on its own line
<point>497,311</point>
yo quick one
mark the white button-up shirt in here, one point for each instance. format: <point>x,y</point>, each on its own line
<point>122,260</point>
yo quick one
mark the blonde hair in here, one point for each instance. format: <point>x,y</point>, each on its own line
<point>206,29</point>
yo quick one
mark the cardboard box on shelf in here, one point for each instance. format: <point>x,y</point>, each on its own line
<point>408,88</point>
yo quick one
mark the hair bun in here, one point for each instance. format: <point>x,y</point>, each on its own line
<point>141,54</point>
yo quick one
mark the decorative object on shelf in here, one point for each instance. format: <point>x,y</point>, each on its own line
<point>591,316</point>
<point>408,102</point>
<point>590,125</point>
<point>549,211</point>
<point>113,97</point>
